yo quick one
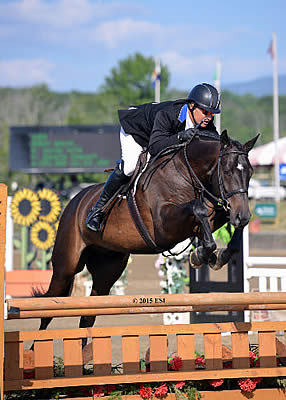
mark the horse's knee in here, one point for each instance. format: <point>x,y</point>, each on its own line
<point>198,209</point>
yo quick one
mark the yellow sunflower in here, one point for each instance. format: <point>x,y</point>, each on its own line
<point>50,205</point>
<point>43,235</point>
<point>25,207</point>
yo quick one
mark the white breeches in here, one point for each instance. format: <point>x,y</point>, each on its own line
<point>130,151</point>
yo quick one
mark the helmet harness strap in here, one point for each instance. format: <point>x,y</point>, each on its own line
<point>194,119</point>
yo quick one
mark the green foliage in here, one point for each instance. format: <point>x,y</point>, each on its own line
<point>245,116</point>
<point>130,82</point>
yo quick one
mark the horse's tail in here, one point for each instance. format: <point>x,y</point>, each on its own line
<point>40,291</point>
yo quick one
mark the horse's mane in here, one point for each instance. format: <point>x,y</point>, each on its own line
<point>171,151</point>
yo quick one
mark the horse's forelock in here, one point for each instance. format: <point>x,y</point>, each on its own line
<point>237,144</point>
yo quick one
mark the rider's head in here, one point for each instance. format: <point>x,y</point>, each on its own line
<point>204,102</point>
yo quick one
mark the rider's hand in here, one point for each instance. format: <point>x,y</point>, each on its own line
<point>188,134</point>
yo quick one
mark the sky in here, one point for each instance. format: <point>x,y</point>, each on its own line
<point>74,44</point>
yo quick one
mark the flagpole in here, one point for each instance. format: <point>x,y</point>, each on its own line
<point>275,116</point>
<point>217,85</point>
<point>157,80</point>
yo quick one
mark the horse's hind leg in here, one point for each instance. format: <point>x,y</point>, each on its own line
<point>106,269</point>
<point>65,266</point>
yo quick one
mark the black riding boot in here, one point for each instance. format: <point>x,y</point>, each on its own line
<point>113,183</point>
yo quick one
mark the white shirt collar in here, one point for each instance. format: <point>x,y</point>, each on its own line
<point>189,123</point>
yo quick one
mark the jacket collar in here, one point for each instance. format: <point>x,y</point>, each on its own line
<point>183,113</point>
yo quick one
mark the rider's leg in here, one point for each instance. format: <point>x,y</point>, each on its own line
<point>130,151</point>
<point>119,177</point>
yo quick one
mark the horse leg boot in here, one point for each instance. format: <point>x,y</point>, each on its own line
<point>202,253</point>
<point>113,183</point>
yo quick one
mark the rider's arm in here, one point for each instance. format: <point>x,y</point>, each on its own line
<point>164,133</point>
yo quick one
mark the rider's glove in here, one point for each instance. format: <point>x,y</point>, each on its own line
<point>188,134</point>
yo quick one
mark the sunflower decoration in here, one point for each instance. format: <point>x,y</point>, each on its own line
<point>50,205</point>
<point>42,235</point>
<point>25,207</point>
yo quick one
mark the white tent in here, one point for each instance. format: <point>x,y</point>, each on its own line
<point>265,154</point>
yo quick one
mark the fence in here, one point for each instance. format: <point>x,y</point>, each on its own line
<point>129,338</point>
<point>101,339</point>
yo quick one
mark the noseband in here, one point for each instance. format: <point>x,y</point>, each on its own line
<point>223,199</point>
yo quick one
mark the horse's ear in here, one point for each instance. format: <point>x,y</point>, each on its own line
<point>224,139</point>
<point>249,145</point>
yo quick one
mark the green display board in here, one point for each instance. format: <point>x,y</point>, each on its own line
<point>266,210</point>
<point>64,149</point>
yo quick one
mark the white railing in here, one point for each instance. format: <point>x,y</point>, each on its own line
<point>276,269</point>
<point>271,269</point>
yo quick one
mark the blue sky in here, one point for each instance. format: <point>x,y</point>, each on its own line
<point>73,44</point>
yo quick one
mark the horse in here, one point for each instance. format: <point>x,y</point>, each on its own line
<point>188,191</point>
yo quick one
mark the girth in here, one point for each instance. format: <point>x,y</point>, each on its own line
<point>139,223</point>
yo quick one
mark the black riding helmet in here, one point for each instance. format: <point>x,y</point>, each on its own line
<point>205,96</point>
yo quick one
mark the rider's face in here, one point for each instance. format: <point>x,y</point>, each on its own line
<point>201,115</point>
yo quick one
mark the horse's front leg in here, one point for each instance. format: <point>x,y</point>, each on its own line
<point>202,253</point>
<point>222,256</point>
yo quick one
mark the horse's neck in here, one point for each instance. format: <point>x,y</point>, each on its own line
<point>203,157</point>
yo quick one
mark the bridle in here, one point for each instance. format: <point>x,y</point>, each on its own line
<point>223,199</point>
<point>225,196</point>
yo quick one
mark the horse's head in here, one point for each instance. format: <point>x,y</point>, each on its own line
<point>234,173</point>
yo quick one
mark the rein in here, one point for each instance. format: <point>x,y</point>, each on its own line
<point>223,199</point>
<point>195,182</point>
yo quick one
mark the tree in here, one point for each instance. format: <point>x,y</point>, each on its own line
<point>130,81</point>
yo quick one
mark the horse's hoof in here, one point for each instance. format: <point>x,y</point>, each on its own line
<point>194,260</point>
<point>214,262</point>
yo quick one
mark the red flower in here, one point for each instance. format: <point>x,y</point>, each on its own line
<point>227,365</point>
<point>216,382</point>
<point>145,392</point>
<point>110,388</point>
<point>199,361</point>
<point>176,363</point>
<point>161,391</point>
<point>29,374</point>
<point>180,385</point>
<point>257,380</point>
<point>252,356</point>
<point>97,391</point>
<point>247,384</point>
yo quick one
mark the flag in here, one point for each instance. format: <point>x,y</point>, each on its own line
<point>156,74</point>
<point>271,49</point>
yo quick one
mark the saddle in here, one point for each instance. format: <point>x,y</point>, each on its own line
<point>128,191</point>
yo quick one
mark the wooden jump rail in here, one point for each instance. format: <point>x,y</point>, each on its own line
<point>43,376</point>
<point>101,340</point>
<point>142,304</point>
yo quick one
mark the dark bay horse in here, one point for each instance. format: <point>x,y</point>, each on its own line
<point>201,186</point>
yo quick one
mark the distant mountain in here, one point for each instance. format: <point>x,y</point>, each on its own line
<point>258,87</point>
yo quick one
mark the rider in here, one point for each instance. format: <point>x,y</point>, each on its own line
<point>156,126</point>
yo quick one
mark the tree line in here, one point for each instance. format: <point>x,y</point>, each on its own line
<point>129,83</point>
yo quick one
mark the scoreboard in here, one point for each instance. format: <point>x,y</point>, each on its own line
<point>60,149</point>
